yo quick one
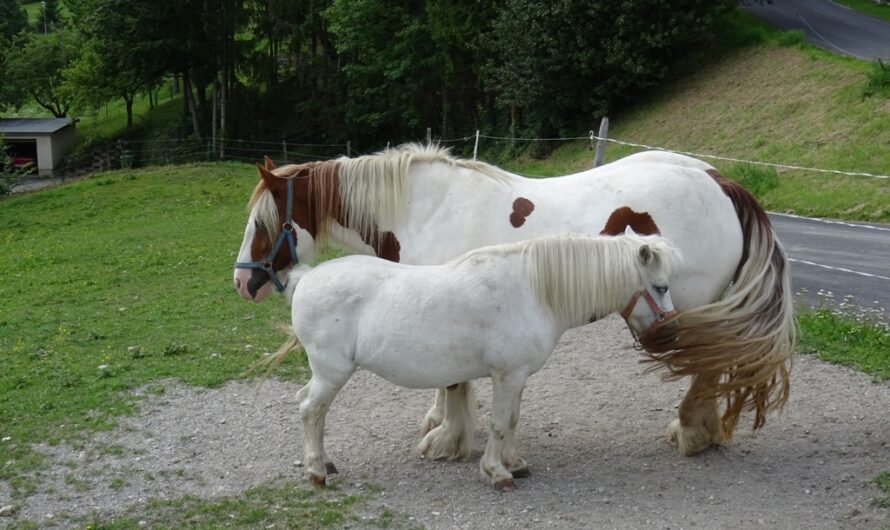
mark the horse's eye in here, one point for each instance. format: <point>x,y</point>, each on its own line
<point>661,289</point>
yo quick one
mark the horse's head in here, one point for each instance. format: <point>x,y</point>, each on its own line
<point>651,305</point>
<point>280,231</point>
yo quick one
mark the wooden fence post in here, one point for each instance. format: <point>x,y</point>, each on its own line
<point>429,135</point>
<point>348,148</point>
<point>601,142</point>
<point>284,148</point>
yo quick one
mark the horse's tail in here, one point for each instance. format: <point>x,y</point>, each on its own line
<point>747,337</point>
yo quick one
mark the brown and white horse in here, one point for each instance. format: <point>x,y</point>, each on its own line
<point>418,205</point>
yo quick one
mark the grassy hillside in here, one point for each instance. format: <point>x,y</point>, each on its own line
<point>786,104</point>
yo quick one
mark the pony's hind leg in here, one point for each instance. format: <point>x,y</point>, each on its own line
<point>699,425</point>
<point>436,415</point>
<point>454,438</point>
<point>313,411</point>
<point>506,396</point>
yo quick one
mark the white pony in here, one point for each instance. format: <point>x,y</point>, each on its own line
<point>495,312</point>
<point>419,205</point>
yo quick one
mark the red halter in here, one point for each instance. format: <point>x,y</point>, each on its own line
<point>660,314</point>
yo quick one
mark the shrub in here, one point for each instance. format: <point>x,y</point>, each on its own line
<point>792,39</point>
<point>878,83</point>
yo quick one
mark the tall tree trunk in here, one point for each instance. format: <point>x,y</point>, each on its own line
<point>190,100</point>
<point>215,114</point>
<point>128,100</point>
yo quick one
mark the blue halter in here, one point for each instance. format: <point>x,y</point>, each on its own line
<point>285,234</point>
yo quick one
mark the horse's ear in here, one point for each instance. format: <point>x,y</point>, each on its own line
<point>646,254</point>
<point>628,231</point>
<point>267,177</point>
<point>268,164</point>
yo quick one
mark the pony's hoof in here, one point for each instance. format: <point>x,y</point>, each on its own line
<point>330,468</point>
<point>522,472</point>
<point>505,485</point>
<point>317,480</point>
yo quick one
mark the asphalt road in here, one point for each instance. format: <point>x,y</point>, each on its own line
<point>828,25</point>
<point>845,259</point>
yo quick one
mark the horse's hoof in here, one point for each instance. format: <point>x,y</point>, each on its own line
<point>505,485</point>
<point>317,480</point>
<point>522,472</point>
<point>330,468</point>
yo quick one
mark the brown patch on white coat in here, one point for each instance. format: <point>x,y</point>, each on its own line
<point>522,208</point>
<point>639,222</point>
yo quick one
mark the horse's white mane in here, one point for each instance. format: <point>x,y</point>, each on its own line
<point>374,188</point>
<point>580,276</point>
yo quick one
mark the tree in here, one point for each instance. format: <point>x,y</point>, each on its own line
<point>125,49</point>
<point>35,67</point>
<point>13,21</point>
<point>555,62</point>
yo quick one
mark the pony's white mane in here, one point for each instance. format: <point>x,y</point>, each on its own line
<point>374,188</point>
<point>579,276</point>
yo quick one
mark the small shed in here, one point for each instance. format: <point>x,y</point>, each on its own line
<point>43,141</point>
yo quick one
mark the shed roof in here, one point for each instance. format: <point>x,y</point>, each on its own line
<point>32,125</point>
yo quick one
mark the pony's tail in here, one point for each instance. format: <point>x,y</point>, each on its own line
<point>747,338</point>
<point>269,363</point>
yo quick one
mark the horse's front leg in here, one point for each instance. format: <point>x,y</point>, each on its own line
<point>698,426</point>
<point>506,396</point>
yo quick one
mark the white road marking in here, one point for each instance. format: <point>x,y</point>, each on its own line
<point>841,269</point>
<point>832,222</point>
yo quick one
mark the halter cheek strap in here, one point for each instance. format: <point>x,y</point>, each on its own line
<point>660,314</point>
<point>285,235</point>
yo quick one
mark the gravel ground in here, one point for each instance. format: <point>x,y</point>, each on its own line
<point>591,430</point>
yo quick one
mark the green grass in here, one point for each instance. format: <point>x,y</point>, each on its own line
<point>840,337</point>
<point>111,283</point>
<point>279,505</point>
<point>790,104</point>
<point>883,482</point>
<point>868,7</point>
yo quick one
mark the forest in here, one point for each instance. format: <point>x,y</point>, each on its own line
<point>328,70</point>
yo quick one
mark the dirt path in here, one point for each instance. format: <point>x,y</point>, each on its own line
<point>591,429</point>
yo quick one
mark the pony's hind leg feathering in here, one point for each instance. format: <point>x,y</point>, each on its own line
<point>455,437</point>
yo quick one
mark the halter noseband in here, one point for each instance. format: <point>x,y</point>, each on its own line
<point>660,314</point>
<point>285,234</point>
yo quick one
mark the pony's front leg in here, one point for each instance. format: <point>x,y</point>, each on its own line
<point>506,396</point>
<point>698,426</point>
<point>454,439</point>
<point>517,466</point>
<point>313,411</point>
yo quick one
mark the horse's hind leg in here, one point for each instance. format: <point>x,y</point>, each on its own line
<point>313,410</point>
<point>698,426</point>
<point>454,438</point>
<point>506,396</point>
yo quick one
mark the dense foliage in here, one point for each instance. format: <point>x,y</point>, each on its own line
<point>372,71</point>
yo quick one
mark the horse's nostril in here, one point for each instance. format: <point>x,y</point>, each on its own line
<point>237,285</point>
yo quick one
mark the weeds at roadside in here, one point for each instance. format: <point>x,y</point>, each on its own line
<point>883,482</point>
<point>846,334</point>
